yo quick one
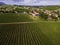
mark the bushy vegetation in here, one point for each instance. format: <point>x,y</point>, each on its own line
<point>21,13</point>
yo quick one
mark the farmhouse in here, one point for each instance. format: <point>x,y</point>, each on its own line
<point>34,13</point>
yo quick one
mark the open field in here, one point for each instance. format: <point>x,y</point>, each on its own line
<point>51,7</point>
<point>12,17</point>
<point>26,29</point>
<point>30,34</point>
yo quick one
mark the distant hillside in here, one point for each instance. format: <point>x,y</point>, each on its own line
<point>2,3</point>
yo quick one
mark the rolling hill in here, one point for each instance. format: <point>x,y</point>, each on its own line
<point>2,3</point>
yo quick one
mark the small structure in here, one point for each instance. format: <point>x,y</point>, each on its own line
<point>34,13</point>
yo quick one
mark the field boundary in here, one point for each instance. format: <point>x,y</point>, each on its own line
<point>30,22</point>
<point>17,22</point>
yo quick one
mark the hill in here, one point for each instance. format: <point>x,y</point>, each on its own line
<point>40,32</point>
<point>11,17</point>
<point>2,3</point>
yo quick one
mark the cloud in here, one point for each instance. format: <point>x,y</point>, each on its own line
<point>30,2</point>
<point>43,3</point>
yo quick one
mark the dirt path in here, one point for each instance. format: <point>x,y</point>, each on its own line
<point>17,22</point>
<point>30,22</point>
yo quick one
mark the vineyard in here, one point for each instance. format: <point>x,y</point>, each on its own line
<point>42,33</point>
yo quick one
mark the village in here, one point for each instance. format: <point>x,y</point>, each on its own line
<point>33,11</point>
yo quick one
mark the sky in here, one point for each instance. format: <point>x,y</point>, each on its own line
<point>32,2</point>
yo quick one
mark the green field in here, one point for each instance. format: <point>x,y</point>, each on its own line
<point>42,33</point>
<point>12,17</point>
<point>51,7</point>
<point>37,31</point>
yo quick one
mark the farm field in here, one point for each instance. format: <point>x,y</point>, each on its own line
<point>51,7</point>
<point>41,33</point>
<point>21,26</point>
<point>12,17</point>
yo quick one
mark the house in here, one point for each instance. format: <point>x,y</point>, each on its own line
<point>34,13</point>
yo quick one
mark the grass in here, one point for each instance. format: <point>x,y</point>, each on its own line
<point>51,7</point>
<point>11,17</point>
<point>41,33</point>
<point>52,31</point>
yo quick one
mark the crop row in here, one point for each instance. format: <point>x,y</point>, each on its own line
<point>22,34</point>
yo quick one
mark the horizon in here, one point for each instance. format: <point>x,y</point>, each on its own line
<point>30,2</point>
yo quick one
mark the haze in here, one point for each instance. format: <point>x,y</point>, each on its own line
<point>30,2</point>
